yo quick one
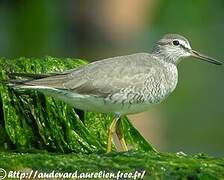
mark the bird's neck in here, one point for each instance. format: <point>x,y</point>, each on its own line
<point>169,58</point>
<point>170,69</point>
<point>165,55</point>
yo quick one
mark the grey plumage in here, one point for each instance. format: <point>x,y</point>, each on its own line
<point>124,84</point>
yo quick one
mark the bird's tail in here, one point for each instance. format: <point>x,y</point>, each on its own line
<point>31,75</point>
<point>19,80</point>
<point>35,81</point>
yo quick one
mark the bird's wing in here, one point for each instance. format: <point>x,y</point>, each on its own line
<point>104,77</point>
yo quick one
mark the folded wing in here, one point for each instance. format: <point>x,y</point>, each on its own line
<point>102,78</point>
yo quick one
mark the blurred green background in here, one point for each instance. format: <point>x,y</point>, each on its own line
<point>192,118</point>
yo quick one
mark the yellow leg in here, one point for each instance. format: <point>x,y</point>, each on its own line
<point>110,133</point>
<point>123,144</point>
<point>121,137</point>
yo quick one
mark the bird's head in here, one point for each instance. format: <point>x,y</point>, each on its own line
<point>173,47</point>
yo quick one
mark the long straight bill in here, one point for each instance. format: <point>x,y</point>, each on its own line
<point>204,57</point>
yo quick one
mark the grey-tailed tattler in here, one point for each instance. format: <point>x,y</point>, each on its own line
<point>121,85</point>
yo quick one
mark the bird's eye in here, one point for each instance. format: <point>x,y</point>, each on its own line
<point>176,42</point>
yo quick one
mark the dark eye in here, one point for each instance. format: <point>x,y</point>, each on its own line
<point>176,42</point>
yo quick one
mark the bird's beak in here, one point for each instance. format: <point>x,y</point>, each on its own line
<point>204,57</point>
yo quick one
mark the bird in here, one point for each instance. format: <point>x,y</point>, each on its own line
<point>120,85</point>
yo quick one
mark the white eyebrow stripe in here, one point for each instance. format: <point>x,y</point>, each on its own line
<point>184,43</point>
